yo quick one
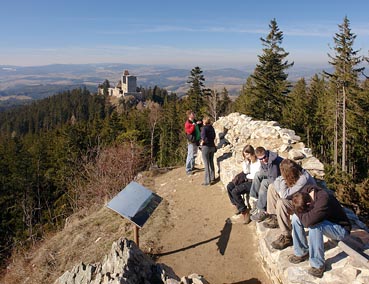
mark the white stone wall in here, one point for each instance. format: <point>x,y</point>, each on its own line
<point>236,130</point>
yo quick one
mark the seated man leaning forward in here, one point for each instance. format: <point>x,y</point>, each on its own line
<point>269,171</point>
<point>279,205</point>
<point>319,211</point>
<point>241,184</point>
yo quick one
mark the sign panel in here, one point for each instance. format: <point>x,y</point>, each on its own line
<point>135,202</point>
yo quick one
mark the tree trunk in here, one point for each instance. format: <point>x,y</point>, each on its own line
<point>344,129</point>
<point>335,161</point>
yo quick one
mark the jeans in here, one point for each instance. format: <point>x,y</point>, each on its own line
<point>235,194</point>
<point>259,189</point>
<point>208,160</point>
<point>191,154</point>
<point>315,247</point>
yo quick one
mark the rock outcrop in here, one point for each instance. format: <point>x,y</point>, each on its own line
<point>125,263</point>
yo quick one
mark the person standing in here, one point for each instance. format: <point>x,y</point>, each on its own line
<point>321,212</point>
<point>208,149</point>
<point>192,129</point>
<point>241,184</point>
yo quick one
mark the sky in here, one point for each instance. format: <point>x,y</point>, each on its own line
<point>177,33</point>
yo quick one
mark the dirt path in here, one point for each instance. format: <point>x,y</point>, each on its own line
<point>195,237</point>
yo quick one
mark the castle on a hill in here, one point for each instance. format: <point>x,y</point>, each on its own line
<point>126,86</point>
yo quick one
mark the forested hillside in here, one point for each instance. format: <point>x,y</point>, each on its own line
<point>64,153</point>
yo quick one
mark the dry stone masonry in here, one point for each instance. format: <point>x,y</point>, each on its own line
<point>236,130</point>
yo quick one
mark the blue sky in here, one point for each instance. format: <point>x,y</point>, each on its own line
<point>181,33</point>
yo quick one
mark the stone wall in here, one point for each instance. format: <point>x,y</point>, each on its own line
<point>236,130</point>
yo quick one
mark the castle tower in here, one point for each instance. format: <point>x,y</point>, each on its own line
<point>129,83</point>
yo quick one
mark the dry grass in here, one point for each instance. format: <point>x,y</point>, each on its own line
<point>87,237</point>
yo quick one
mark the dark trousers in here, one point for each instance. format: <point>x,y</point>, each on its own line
<point>235,194</point>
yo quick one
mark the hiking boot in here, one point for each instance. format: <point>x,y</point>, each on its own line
<point>189,173</point>
<point>271,223</point>
<point>282,242</point>
<point>317,272</point>
<point>242,218</point>
<point>260,216</point>
<point>297,259</point>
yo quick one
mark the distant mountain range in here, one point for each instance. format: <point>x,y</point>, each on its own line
<point>19,84</point>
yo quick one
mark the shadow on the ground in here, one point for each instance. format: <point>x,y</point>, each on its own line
<point>224,237</point>
<point>222,242</point>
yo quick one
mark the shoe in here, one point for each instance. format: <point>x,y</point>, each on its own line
<point>205,184</point>
<point>271,223</point>
<point>297,259</point>
<point>282,242</point>
<point>260,216</point>
<point>253,211</point>
<point>189,173</point>
<point>243,218</point>
<point>317,272</point>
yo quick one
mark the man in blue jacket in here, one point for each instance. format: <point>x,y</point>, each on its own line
<point>269,171</point>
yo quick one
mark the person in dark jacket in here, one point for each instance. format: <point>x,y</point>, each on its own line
<point>321,212</point>
<point>269,171</point>
<point>208,150</point>
<point>192,129</point>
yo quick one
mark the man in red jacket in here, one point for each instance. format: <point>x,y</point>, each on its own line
<point>192,130</point>
<point>319,211</point>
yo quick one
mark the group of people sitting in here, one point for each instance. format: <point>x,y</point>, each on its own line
<point>277,189</point>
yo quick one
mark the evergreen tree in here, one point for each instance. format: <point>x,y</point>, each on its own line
<point>295,114</point>
<point>246,101</point>
<point>344,84</point>
<point>270,78</point>
<point>197,91</point>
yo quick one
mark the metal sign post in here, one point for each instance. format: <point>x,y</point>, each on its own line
<point>136,236</point>
<point>135,203</point>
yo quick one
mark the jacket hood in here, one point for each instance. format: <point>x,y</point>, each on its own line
<point>272,157</point>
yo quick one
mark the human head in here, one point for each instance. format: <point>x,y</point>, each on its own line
<point>301,202</point>
<point>290,171</point>
<point>190,114</point>
<point>262,154</point>
<point>248,149</point>
<point>206,120</point>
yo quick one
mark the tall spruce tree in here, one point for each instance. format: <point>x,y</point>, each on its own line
<point>345,87</point>
<point>197,90</point>
<point>294,111</point>
<point>269,76</point>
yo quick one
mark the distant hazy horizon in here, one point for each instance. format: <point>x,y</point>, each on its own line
<point>177,33</point>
